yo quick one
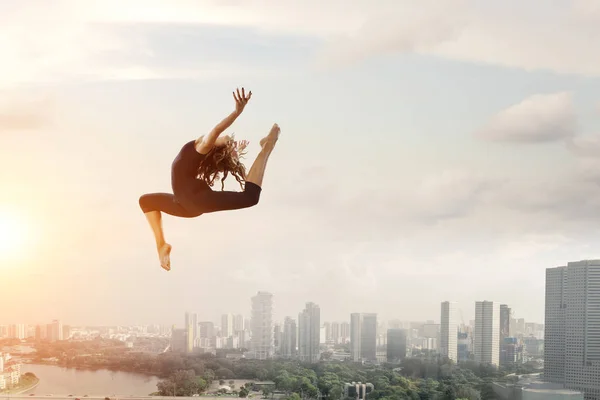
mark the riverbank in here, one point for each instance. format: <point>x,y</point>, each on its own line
<point>27,383</point>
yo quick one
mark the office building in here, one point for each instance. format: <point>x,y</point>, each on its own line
<point>363,337</point>
<point>289,338</point>
<point>449,331</point>
<point>486,344</point>
<point>262,326</point>
<point>396,345</point>
<point>227,325</point>
<point>309,333</point>
<point>572,328</point>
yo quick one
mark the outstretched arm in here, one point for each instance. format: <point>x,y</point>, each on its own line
<point>205,143</point>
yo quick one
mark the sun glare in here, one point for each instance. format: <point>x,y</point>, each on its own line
<point>13,235</point>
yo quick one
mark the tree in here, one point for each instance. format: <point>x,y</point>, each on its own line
<point>243,392</point>
<point>182,383</point>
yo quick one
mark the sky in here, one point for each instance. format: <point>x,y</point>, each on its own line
<point>429,151</point>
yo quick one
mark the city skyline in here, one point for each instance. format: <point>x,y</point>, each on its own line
<point>442,144</point>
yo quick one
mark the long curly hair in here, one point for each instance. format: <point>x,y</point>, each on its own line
<point>220,162</point>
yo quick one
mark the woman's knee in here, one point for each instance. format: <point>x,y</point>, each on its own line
<point>252,192</point>
<point>145,203</point>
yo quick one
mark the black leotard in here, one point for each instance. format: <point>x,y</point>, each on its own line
<point>193,197</point>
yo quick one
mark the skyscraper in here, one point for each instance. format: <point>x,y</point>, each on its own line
<point>327,326</point>
<point>227,321</point>
<point>335,332</point>
<point>277,336</point>
<point>344,331</point>
<point>191,328</point>
<point>289,339</point>
<point>486,345</point>
<point>17,331</point>
<point>238,323</point>
<point>309,333</point>
<point>449,331</point>
<point>505,315</point>
<point>572,337</point>
<point>396,345</point>
<point>262,326</point>
<point>363,336</point>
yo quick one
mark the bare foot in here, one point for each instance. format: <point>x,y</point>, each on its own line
<point>272,137</point>
<point>164,255</point>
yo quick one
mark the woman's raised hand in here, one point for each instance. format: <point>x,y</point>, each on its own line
<point>241,99</point>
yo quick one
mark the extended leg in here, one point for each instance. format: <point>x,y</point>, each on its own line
<point>257,171</point>
<point>211,201</point>
<point>152,205</point>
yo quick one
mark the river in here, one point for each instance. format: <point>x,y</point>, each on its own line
<point>65,381</point>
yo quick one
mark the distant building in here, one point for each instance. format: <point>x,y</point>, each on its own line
<point>289,339</point>
<point>178,340</point>
<point>227,325</point>
<point>449,331</point>
<point>572,337</point>
<point>363,337</point>
<point>262,326</point>
<point>511,351</point>
<point>396,345</point>
<point>465,346</point>
<point>486,346</point>
<point>309,333</point>
<point>16,331</point>
<point>54,331</point>
<point>335,332</point>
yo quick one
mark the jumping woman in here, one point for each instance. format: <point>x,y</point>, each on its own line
<point>193,172</point>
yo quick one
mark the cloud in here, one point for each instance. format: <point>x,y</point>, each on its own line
<point>68,40</point>
<point>538,118</point>
<point>20,114</point>
<point>399,27</point>
<point>586,146</point>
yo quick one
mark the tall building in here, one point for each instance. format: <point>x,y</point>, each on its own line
<point>327,326</point>
<point>16,331</point>
<point>363,336</point>
<point>396,345</point>
<point>238,323</point>
<point>486,344</point>
<point>289,339</point>
<point>277,336</point>
<point>572,336</point>
<point>54,331</point>
<point>345,331</point>
<point>206,332</point>
<point>227,325</point>
<point>449,331</point>
<point>178,340</point>
<point>191,330</point>
<point>309,333</point>
<point>262,326</point>
<point>505,316</point>
<point>335,332</point>
<point>189,338</point>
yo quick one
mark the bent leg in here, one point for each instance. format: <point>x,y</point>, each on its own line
<point>164,202</point>
<point>152,204</point>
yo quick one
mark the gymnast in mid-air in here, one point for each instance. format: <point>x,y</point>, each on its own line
<point>198,165</point>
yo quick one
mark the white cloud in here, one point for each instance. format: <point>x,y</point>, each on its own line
<point>66,40</point>
<point>586,146</point>
<point>22,113</point>
<point>538,118</point>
